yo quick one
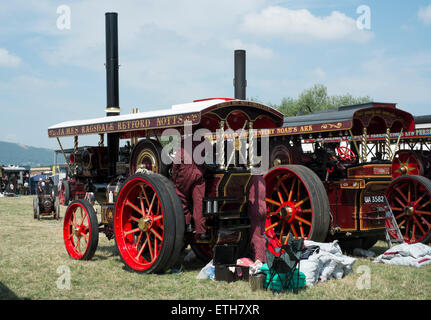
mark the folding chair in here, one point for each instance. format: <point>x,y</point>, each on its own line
<point>283,263</point>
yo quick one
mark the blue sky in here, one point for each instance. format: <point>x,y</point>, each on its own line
<point>177,51</point>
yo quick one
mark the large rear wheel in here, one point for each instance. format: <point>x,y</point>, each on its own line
<point>147,222</point>
<point>410,199</point>
<point>297,205</point>
<point>80,230</point>
<point>147,155</point>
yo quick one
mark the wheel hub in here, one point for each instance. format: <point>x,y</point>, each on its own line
<point>409,210</point>
<point>288,211</point>
<point>144,224</point>
<point>404,169</point>
<point>79,231</point>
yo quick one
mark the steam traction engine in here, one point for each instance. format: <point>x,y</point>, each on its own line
<point>142,210</point>
<point>409,194</point>
<point>326,183</point>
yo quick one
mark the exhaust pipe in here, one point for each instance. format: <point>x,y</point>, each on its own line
<point>240,82</point>
<point>112,92</point>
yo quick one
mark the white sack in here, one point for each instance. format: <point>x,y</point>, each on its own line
<point>414,255</point>
<point>329,263</point>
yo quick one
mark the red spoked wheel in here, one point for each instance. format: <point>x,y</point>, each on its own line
<point>410,200</point>
<point>80,230</point>
<point>346,154</point>
<point>147,222</point>
<point>407,162</point>
<point>64,192</point>
<point>297,204</point>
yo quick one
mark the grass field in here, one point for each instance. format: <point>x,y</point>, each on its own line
<point>33,262</point>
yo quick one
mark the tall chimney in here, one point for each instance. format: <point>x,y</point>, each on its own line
<point>240,82</point>
<point>112,95</point>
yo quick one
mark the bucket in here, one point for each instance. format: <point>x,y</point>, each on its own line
<point>257,281</point>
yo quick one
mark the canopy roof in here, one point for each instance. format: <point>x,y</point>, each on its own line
<point>375,116</point>
<point>207,113</point>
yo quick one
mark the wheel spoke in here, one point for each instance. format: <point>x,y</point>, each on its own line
<point>272,202</point>
<point>424,221</point>
<point>294,231</point>
<point>399,201</point>
<point>157,234</point>
<point>301,202</point>
<point>149,246</point>
<point>400,216</point>
<point>158,218</point>
<point>301,229</point>
<point>402,194</point>
<point>301,220</point>
<point>402,222</point>
<point>141,201</point>
<point>145,194</point>
<point>131,231</point>
<point>272,226</point>
<point>425,204</point>
<point>280,197</point>
<point>150,212</point>
<point>423,212</point>
<point>134,219</point>
<point>283,187</point>
<point>409,196</point>
<point>142,248</point>
<point>416,222</point>
<point>413,238</point>
<point>291,190</point>
<point>131,205</point>
<point>283,225</point>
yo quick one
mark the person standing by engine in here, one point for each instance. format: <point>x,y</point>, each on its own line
<point>256,210</point>
<point>189,181</point>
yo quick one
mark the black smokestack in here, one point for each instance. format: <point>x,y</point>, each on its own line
<point>112,95</point>
<point>113,104</point>
<point>240,82</point>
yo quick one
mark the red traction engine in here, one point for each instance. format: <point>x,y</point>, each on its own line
<point>86,165</point>
<point>325,183</point>
<point>141,209</point>
<point>409,194</point>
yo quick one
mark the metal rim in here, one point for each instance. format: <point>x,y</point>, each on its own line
<point>147,160</point>
<point>410,200</point>
<point>289,209</point>
<point>77,230</point>
<point>139,224</point>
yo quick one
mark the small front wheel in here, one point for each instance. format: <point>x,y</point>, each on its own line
<point>80,230</point>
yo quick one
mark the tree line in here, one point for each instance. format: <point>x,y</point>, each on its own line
<point>316,99</point>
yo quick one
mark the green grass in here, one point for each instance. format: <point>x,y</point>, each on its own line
<point>31,252</point>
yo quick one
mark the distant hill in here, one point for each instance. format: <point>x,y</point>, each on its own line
<point>21,155</point>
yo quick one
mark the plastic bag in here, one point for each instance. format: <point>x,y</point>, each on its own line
<point>207,272</point>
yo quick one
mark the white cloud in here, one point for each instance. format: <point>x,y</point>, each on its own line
<point>303,26</point>
<point>424,14</point>
<point>8,59</point>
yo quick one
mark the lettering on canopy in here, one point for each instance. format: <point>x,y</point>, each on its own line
<point>125,125</point>
<point>310,128</point>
